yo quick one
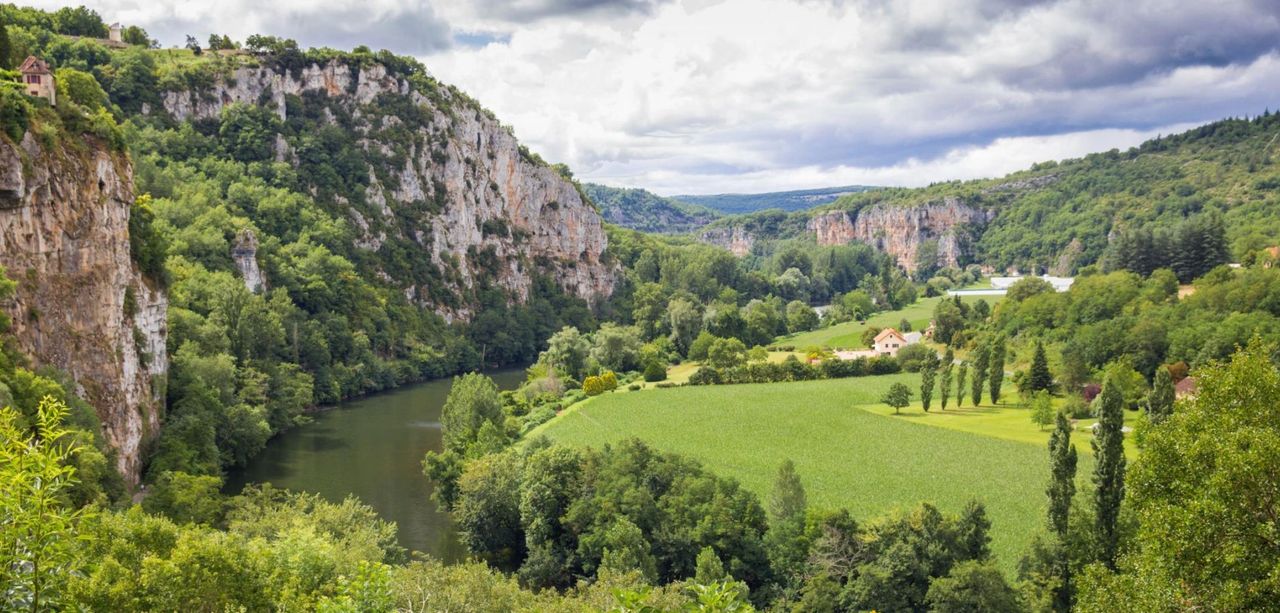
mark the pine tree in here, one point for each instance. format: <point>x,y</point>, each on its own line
<point>1062,486</point>
<point>996,378</point>
<point>960,388</point>
<point>944,379</point>
<point>1108,470</point>
<point>787,501</point>
<point>1160,401</point>
<point>1039,378</point>
<point>980,365</point>
<point>928,374</point>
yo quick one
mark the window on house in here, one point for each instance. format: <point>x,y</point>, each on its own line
<point>33,78</point>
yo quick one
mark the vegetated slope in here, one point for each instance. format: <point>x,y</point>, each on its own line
<point>846,457</point>
<point>646,211</point>
<point>795,200</point>
<point>1056,215</point>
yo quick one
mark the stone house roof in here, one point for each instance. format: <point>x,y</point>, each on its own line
<point>34,65</point>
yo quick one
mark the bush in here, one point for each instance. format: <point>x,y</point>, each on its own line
<point>912,357</point>
<point>1077,408</point>
<point>593,386</point>
<point>608,381</point>
<point>15,112</point>
<point>706,376</point>
<point>654,371</point>
<point>665,385</point>
<point>634,387</point>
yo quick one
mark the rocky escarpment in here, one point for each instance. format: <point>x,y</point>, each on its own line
<point>245,255</point>
<point>735,238</point>
<point>900,230</point>
<point>80,304</point>
<point>457,190</point>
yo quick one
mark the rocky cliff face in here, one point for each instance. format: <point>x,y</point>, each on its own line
<point>736,239</point>
<point>900,230</point>
<point>80,304</point>
<point>480,205</point>
<point>245,254</point>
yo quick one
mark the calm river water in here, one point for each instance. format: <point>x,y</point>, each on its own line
<point>372,448</point>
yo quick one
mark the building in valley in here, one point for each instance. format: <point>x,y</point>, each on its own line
<point>37,79</point>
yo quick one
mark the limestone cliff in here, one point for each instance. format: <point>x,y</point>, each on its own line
<point>458,190</point>
<point>900,230</point>
<point>81,305</point>
<point>736,239</point>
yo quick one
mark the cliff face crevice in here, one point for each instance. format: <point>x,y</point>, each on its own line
<point>480,206</point>
<point>900,230</point>
<point>81,305</point>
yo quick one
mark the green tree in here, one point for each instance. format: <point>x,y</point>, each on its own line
<point>726,353</point>
<point>187,498</point>
<point>897,397</point>
<point>1204,486</point>
<point>39,552</point>
<point>970,587</point>
<point>6,48</point>
<point>1038,377</point>
<point>137,37</point>
<point>626,550</point>
<point>800,317</point>
<point>473,401</point>
<point>1160,400</point>
<point>249,132</point>
<point>1062,482</point>
<point>928,375</point>
<point>981,366</point>
<point>616,347</point>
<point>944,376</point>
<point>685,323</point>
<point>962,373</point>
<point>787,500</point>
<point>1041,409</point>
<point>79,21</point>
<point>567,352</point>
<point>1108,470</point>
<point>80,88</point>
<point>996,377</point>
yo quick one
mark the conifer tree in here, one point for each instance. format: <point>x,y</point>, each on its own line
<point>996,378</point>
<point>1062,485</point>
<point>1108,470</point>
<point>1039,378</point>
<point>944,376</point>
<point>928,375</point>
<point>1160,401</point>
<point>980,365</point>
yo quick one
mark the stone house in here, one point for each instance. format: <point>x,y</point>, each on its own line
<point>1186,388</point>
<point>888,342</point>
<point>37,79</point>
<point>116,33</point>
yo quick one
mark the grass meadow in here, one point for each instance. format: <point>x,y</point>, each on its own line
<point>849,453</point>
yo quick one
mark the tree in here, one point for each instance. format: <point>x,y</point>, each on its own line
<point>944,377</point>
<point>996,378</point>
<point>972,586</point>
<point>800,317</point>
<point>897,397</point>
<point>1160,400</point>
<point>960,381</point>
<point>473,401</point>
<point>1191,515</point>
<point>981,364</point>
<point>1108,470</point>
<point>655,371</point>
<point>685,322</point>
<point>1062,482</point>
<point>137,36</point>
<point>1038,376</point>
<point>726,353</point>
<point>616,347</point>
<point>248,132</point>
<point>928,374</point>
<point>567,352</point>
<point>187,498</point>
<point>38,545</point>
<point>787,500</point>
<point>1041,409</point>
<point>79,21</point>
<point>6,48</point>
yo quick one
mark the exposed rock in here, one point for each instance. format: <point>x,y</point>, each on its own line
<point>473,193</point>
<point>1023,184</point>
<point>1065,265</point>
<point>81,305</point>
<point>899,230</point>
<point>245,254</point>
<point>734,238</point>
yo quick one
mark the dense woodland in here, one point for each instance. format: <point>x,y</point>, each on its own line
<point>628,527</point>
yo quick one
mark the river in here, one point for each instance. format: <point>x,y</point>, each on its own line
<point>372,448</point>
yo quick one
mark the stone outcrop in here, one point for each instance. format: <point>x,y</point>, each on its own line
<point>245,254</point>
<point>735,238</point>
<point>900,230</point>
<point>80,304</point>
<point>482,206</point>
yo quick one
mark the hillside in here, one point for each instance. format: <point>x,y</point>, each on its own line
<point>646,211</point>
<point>1056,215</point>
<point>795,200</point>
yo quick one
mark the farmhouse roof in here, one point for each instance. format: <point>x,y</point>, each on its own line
<point>887,332</point>
<point>34,65</point>
<point>1186,386</point>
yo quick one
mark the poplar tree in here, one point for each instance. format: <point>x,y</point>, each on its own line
<point>944,378</point>
<point>980,364</point>
<point>1160,401</point>
<point>1062,486</point>
<point>928,374</point>
<point>1039,377</point>
<point>1108,469</point>
<point>960,380</point>
<point>996,378</point>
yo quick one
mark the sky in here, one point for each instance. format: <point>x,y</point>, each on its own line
<point>710,96</point>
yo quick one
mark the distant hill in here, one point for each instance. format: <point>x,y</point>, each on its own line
<point>796,200</point>
<point>646,211</point>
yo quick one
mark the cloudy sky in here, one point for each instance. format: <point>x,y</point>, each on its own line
<point>709,96</point>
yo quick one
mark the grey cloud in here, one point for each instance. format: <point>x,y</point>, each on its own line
<point>533,10</point>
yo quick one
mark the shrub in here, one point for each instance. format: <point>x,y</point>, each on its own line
<point>655,371</point>
<point>608,381</point>
<point>593,386</point>
<point>665,384</point>
<point>634,387</point>
<point>1077,407</point>
<point>15,112</point>
<point>706,376</point>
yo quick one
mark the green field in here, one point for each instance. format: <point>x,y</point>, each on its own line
<point>847,456</point>
<point>848,335</point>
